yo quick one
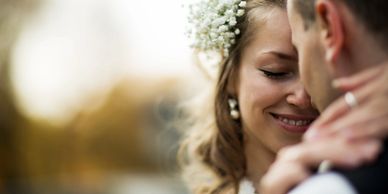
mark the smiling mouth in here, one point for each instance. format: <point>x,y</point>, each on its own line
<point>292,123</point>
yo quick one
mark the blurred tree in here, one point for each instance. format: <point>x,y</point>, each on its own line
<point>12,14</point>
<point>126,134</point>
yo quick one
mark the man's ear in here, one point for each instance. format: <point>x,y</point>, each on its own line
<point>331,29</point>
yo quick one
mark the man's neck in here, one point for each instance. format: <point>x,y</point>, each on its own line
<point>366,52</point>
<point>370,58</point>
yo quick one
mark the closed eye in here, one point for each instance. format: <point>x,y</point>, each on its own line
<point>275,75</point>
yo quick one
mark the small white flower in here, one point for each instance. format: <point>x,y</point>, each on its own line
<point>213,35</point>
<point>232,21</point>
<point>207,22</point>
<point>231,35</point>
<point>222,28</point>
<point>229,13</point>
<point>219,7</point>
<point>219,21</point>
<point>214,23</point>
<point>242,4</point>
<point>240,12</point>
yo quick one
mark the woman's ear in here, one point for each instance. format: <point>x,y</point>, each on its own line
<point>331,29</point>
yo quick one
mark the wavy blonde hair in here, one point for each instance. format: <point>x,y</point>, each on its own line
<point>211,154</point>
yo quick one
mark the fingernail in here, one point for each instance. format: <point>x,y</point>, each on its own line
<point>336,83</point>
<point>371,147</point>
<point>352,161</point>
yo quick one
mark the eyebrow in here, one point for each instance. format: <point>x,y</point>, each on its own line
<point>282,55</point>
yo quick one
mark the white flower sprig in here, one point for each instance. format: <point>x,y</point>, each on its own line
<point>213,24</point>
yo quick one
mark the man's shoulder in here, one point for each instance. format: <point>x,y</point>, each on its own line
<point>364,180</point>
<point>371,178</point>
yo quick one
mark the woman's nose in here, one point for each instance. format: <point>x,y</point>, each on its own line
<point>299,97</point>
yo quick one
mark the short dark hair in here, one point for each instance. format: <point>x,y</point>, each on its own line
<point>373,14</point>
<point>307,10</point>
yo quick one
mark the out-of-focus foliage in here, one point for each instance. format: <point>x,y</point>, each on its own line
<point>122,132</point>
<point>129,133</point>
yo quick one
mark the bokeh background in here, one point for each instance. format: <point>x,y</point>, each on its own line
<point>90,95</point>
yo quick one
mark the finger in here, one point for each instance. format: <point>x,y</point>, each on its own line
<point>347,124</point>
<point>369,120</point>
<point>377,129</point>
<point>358,80</point>
<point>359,132</point>
<point>332,114</point>
<point>362,94</point>
<point>281,177</point>
<point>293,163</point>
<point>338,109</point>
<point>341,153</point>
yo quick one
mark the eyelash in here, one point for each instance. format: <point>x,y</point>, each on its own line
<point>274,75</point>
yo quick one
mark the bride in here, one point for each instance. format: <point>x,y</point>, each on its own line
<point>258,105</point>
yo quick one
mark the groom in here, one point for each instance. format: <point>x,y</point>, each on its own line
<point>338,38</point>
<point>335,39</point>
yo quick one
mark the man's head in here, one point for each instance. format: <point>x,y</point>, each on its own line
<point>336,38</point>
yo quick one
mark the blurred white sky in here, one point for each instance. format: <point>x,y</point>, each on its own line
<point>74,47</point>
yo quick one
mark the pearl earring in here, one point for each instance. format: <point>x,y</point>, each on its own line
<point>234,113</point>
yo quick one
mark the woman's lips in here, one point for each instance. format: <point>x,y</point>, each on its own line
<point>293,123</point>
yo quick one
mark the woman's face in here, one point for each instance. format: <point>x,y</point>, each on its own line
<point>275,109</point>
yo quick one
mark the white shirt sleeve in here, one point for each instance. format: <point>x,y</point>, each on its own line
<point>324,183</point>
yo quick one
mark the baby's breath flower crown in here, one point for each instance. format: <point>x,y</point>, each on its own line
<point>213,24</point>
